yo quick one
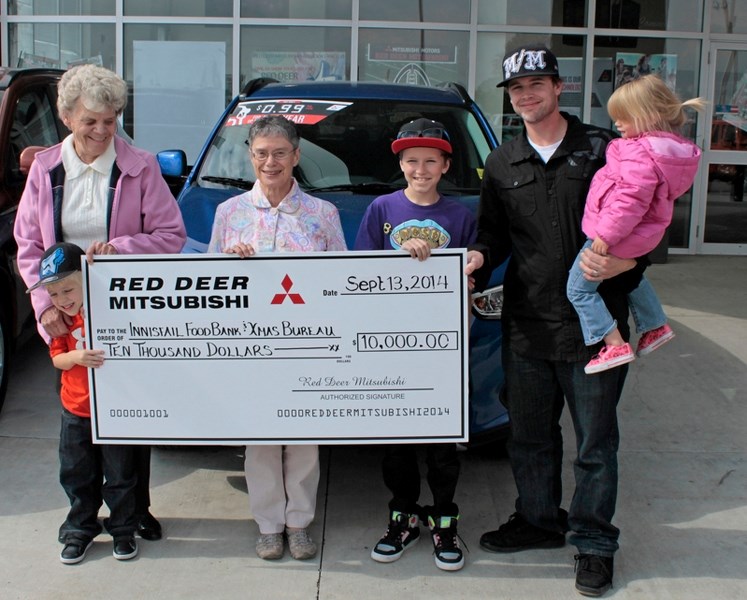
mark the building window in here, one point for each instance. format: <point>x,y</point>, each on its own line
<point>61,45</point>
<point>61,7</point>
<point>413,56</point>
<point>169,109</point>
<point>182,8</point>
<point>295,53</point>
<point>297,9</point>
<point>674,15</point>
<point>418,11</point>
<point>728,16</point>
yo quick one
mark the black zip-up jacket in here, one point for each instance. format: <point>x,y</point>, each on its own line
<point>532,211</point>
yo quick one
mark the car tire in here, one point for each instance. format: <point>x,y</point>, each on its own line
<point>5,347</point>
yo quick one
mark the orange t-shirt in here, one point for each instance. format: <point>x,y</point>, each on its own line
<point>74,394</point>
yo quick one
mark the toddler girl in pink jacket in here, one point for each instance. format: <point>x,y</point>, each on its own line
<point>628,208</point>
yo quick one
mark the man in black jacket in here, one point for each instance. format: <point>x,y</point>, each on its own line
<point>531,204</point>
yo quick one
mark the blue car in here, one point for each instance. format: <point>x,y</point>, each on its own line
<point>347,130</point>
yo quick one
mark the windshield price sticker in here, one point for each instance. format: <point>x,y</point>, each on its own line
<point>301,112</point>
<point>329,348</point>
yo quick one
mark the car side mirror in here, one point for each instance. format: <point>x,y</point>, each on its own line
<point>27,157</point>
<point>173,163</point>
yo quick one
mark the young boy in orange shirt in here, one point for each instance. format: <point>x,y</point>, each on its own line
<point>88,473</point>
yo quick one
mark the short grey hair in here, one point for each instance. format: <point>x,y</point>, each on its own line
<point>273,125</point>
<point>97,87</point>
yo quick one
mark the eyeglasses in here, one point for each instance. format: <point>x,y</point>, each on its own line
<point>279,155</point>
<point>431,132</point>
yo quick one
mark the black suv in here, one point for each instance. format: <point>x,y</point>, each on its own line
<point>28,117</point>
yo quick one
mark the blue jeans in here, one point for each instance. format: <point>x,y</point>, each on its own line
<point>535,394</point>
<point>596,320</point>
<point>90,473</point>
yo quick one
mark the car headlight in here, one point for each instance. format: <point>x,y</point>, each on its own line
<point>488,304</point>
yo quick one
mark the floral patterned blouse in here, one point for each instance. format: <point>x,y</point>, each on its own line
<point>300,223</point>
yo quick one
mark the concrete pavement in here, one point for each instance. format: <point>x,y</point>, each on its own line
<point>682,505</point>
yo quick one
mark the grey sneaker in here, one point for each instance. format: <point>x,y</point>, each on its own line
<point>270,546</point>
<point>446,550</point>
<point>300,544</point>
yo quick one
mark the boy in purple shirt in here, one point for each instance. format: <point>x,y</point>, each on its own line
<point>417,220</point>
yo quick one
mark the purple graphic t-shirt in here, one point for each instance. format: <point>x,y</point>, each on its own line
<point>391,220</point>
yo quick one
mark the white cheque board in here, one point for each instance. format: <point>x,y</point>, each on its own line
<point>329,348</point>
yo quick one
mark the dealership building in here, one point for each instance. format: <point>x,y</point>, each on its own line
<point>185,59</point>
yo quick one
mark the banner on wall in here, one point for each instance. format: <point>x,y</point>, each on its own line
<point>407,64</point>
<point>299,66</point>
<point>391,53</point>
<point>632,65</point>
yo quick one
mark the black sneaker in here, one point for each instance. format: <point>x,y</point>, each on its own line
<point>593,574</point>
<point>125,548</point>
<point>516,535</point>
<point>446,550</point>
<point>403,532</point>
<point>149,528</point>
<point>75,551</point>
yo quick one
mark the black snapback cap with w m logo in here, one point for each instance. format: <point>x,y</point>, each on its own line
<point>529,61</point>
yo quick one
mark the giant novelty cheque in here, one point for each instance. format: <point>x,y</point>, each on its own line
<point>330,348</point>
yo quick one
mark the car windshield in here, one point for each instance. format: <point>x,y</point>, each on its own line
<point>346,144</point>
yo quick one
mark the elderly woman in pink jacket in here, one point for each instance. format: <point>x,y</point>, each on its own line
<point>628,208</point>
<point>95,190</point>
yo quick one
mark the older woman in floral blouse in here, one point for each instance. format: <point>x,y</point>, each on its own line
<point>277,216</point>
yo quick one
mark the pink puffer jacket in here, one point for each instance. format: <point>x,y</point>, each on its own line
<point>631,198</point>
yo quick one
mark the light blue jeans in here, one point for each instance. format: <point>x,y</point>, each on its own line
<point>596,320</point>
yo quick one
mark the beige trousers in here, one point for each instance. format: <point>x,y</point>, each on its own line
<point>282,483</point>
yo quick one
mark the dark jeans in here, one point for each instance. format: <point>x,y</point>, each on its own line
<point>402,477</point>
<point>142,487</point>
<point>535,393</point>
<point>142,467</point>
<point>90,473</point>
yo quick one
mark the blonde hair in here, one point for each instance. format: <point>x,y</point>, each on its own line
<point>649,104</point>
<point>76,278</point>
<point>97,87</point>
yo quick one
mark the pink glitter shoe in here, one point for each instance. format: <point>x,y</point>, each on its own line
<point>610,357</point>
<point>651,340</point>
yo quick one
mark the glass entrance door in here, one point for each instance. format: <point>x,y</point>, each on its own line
<point>723,222</point>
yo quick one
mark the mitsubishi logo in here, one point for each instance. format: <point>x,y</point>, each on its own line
<point>287,284</point>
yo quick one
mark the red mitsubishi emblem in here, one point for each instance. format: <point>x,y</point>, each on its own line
<point>287,284</point>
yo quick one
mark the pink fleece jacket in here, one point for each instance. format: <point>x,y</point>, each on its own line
<point>631,198</point>
<point>145,218</point>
